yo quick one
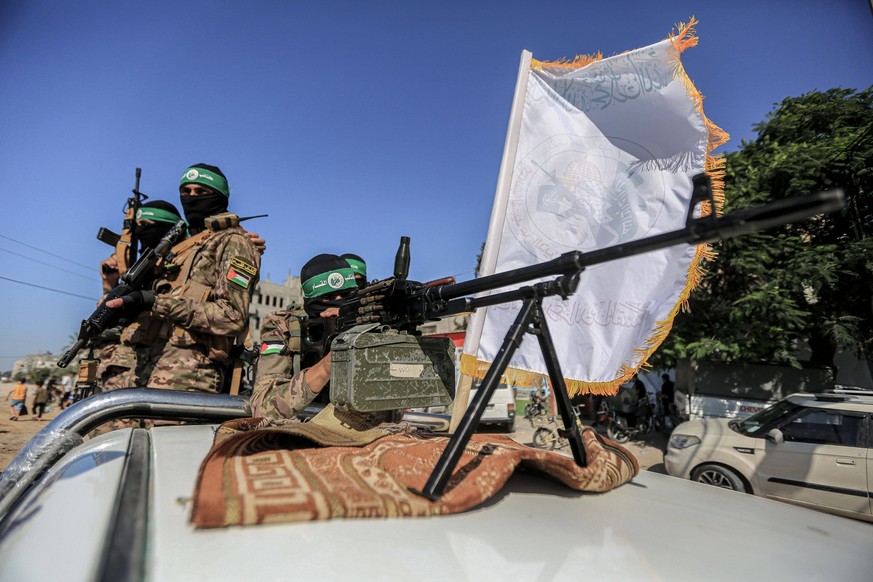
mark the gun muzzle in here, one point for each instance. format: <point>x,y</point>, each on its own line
<point>401,260</point>
<point>71,353</point>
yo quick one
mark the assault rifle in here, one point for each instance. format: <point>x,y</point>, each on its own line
<point>403,305</point>
<point>135,278</point>
<point>125,244</point>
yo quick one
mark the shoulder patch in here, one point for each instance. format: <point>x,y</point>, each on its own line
<point>241,272</point>
<point>269,348</point>
<point>244,266</point>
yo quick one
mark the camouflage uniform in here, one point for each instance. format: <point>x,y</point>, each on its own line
<point>184,342</point>
<point>280,390</point>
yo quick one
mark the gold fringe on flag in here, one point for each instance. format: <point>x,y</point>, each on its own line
<point>682,38</point>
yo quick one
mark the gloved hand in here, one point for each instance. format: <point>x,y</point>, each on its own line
<point>137,301</point>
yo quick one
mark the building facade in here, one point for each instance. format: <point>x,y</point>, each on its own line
<point>269,297</point>
<point>28,364</point>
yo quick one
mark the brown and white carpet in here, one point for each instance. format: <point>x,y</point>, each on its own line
<point>334,468</point>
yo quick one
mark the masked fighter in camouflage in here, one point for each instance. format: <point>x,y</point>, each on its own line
<point>201,307</point>
<point>282,389</point>
<point>154,219</point>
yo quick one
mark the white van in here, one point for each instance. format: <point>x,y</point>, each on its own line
<point>501,408</point>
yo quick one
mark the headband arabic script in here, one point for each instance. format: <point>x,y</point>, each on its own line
<point>334,281</point>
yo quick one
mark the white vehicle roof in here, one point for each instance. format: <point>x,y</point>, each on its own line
<point>860,401</point>
<point>656,527</point>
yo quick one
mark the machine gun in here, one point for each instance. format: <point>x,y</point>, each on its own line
<point>382,302</point>
<point>402,304</point>
<point>133,279</point>
<point>125,244</point>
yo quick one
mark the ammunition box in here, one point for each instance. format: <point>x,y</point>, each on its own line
<point>373,370</point>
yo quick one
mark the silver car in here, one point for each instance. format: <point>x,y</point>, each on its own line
<point>808,449</point>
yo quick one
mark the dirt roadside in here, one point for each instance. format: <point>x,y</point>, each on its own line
<point>15,434</point>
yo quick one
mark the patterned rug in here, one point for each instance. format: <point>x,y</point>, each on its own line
<point>330,468</point>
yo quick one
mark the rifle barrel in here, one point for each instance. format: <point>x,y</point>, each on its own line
<point>699,231</point>
<point>71,353</point>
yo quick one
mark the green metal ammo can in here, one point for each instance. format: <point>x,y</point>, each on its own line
<point>374,369</point>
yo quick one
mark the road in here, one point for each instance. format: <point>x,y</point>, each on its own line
<point>648,449</point>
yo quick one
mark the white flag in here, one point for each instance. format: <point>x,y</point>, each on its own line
<point>605,154</point>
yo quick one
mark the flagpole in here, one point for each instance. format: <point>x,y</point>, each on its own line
<point>495,228</point>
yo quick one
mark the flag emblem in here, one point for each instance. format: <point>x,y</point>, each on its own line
<point>239,278</point>
<point>270,348</point>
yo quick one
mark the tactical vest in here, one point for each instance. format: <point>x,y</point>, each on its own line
<point>180,280</point>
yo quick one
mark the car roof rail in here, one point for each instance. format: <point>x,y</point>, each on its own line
<point>68,429</point>
<point>854,391</point>
<point>845,395</point>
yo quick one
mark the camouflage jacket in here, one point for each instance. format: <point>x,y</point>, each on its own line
<point>280,390</point>
<point>209,302</point>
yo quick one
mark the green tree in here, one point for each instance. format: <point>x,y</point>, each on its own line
<point>766,293</point>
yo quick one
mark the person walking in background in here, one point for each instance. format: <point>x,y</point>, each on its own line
<point>18,394</point>
<point>666,395</point>
<point>40,400</point>
<point>66,390</point>
<point>640,391</point>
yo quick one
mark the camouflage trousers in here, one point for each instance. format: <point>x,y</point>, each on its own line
<point>161,366</point>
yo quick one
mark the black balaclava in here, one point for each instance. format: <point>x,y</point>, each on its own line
<point>323,277</point>
<point>199,208</point>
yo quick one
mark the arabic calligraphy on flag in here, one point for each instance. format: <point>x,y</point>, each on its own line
<point>606,152</point>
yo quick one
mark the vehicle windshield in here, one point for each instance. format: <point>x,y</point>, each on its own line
<point>754,423</point>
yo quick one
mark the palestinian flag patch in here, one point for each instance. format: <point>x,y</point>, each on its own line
<point>241,272</point>
<point>269,348</point>
<point>238,277</point>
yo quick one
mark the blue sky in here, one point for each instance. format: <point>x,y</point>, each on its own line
<point>350,123</point>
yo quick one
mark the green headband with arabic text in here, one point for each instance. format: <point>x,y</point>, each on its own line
<point>335,281</point>
<point>358,266</point>
<point>206,178</point>
<point>157,214</point>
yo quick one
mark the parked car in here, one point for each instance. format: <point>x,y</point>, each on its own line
<point>501,408</point>
<point>807,449</point>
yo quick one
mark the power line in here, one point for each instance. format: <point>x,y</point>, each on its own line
<point>90,268</point>
<point>47,264</point>
<point>48,288</point>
